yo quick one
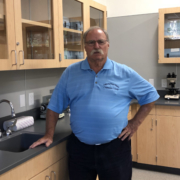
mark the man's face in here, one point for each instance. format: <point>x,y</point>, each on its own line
<point>95,50</point>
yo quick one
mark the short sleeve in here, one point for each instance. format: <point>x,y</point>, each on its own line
<point>59,99</point>
<point>141,89</point>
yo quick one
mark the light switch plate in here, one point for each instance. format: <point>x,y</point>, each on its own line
<point>151,81</point>
<point>22,100</point>
<point>164,82</point>
<point>31,99</point>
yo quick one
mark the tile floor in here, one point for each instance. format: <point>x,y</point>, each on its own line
<point>139,174</point>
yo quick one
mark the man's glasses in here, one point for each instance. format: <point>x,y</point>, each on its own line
<point>100,42</point>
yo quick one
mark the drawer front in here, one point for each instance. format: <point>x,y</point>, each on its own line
<point>167,110</point>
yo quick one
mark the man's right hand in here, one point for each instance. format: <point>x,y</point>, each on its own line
<point>44,140</point>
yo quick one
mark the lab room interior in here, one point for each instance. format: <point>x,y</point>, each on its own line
<point>41,40</point>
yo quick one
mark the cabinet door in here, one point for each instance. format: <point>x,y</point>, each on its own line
<point>42,176</point>
<point>168,141</point>
<point>146,141</point>
<point>36,26</point>
<point>169,35</point>
<point>97,14</point>
<point>134,137</point>
<point>72,25</point>
<point>59,170</point>
<point>8,54</point>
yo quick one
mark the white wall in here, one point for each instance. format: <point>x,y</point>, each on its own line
<point>104,2</point>
<point>117,8</point>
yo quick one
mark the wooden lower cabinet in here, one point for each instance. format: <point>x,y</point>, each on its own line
<point>158,137</point>
<point>168,141</point>
<point>146,141</point>
<point>134,137</point>
<point>45,164</point>
<point>57,171</point>
<point>41,176</point>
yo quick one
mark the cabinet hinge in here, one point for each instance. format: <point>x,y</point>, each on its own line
<point>60,57</point>
<point>156,158</point>
<point>156,122</point>
<point>137,156</point>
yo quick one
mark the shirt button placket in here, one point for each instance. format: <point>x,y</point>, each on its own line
<point>96,79</point>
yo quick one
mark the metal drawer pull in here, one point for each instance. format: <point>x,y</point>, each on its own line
<point>54,174</point>
<point>48,177</point>
<point>15,57</point>
<point>152,125</point>
<point>23,56</point>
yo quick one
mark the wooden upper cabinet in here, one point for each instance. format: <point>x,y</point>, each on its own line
<point>77,16</point>
<point>169,35</point>
<point>37,34</point>
<point>8,53</point>
<point>37,38</point>
<point>72,26</point>
<point>98,15</point>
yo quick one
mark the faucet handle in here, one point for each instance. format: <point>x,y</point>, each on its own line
<point>12,110</point>
<point>1,134</point>
<point>8,131</point>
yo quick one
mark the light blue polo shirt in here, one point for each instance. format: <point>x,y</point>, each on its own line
<point>100,102</point>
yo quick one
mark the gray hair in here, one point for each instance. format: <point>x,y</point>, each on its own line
<point>92,28</point>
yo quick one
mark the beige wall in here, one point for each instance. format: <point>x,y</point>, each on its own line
<point>117,8</point>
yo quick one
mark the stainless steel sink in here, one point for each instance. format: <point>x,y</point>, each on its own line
<point>19,143</point>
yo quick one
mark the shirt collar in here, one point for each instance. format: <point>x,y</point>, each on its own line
<point>85,64</point>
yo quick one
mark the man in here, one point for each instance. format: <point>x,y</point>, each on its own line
<point>99,91</point>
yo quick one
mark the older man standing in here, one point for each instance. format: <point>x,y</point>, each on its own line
<point>99,91</point>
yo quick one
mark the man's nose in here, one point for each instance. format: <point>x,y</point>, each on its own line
<point>96,45</point>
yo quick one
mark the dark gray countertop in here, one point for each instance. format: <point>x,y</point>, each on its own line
<point>9,160</point>
<point>163,102</point>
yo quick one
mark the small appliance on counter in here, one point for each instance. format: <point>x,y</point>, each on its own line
<point>43,110</point>
<point>172,91</point>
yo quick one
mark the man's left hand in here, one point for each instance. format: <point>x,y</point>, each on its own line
<point>129,130</point>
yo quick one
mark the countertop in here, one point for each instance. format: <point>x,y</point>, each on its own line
<point>163,102</point>
<point>10,160</point>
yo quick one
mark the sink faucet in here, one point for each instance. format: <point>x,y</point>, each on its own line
<point>11,105</point>
<point>8,131</point>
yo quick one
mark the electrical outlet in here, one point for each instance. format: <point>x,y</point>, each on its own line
<point>151,81</point>
<point>164,83</point>
<point>22,100</point>
<point>31,99</point>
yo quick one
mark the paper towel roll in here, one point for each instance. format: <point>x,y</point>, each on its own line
<point>22,122</point>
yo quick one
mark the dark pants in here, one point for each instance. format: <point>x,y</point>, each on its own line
<point>111,161</point>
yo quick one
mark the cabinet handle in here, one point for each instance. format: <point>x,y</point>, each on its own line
<point>54,174</point>
<point>59,57</point>
<point>47,177</point>
<point>152,124</point>
<point>23,56</point>
<point>15,57</point>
